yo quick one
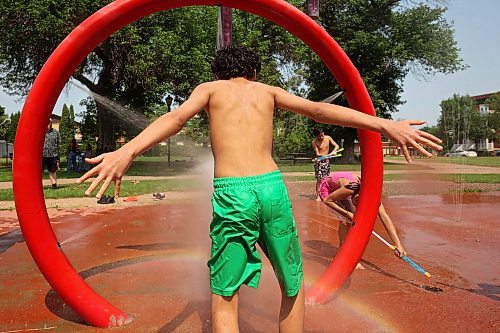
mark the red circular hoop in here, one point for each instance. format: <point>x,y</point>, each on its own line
<point>28,192</point>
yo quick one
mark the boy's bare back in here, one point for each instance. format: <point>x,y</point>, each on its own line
<point>241,127</point>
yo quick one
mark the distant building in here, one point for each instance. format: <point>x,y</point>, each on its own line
<point>56,122</point>
<point>389,149</point>
<point>484,145</point>
<point>6,149</point>
<point>482,106</point>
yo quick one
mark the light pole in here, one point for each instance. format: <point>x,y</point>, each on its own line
<point>168,101</point>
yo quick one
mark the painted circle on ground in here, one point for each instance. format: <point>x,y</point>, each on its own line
<point>27,181</point>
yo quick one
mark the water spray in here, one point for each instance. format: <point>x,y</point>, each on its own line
<point>129,115</point>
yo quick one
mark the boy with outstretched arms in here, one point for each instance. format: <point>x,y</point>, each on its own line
<point>250,201</point>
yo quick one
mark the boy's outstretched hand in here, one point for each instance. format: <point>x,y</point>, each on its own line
<point>110,167</point>
<point>404,135</point>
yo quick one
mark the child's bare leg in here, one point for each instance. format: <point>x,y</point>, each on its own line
<point>292,312</point>
<point>342,232</point>
<point>225,314</point>
<point>318,181</point>
<point>53,178</point>
<point>343,229</point>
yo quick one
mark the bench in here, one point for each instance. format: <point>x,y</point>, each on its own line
<point>294,157</point>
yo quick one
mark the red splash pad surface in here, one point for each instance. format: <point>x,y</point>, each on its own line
<point>150,261</point>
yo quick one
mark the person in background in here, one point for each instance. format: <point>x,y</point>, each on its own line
<point>89,153</point>
<point>50,159</point>
<point>321,147</point>
<point>71,156</point>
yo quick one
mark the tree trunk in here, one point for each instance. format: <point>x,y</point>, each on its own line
<point>106,141</point>
<point>348,153</point>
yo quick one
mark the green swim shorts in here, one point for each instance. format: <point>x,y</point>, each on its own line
<point>246,211</point>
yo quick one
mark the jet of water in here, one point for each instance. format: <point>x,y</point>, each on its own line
<point>129,115</point>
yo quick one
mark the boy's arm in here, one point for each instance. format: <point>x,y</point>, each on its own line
<point>112,166</point>
<point>335,146</point>
<point>315,148</point>
<point>400,132</point>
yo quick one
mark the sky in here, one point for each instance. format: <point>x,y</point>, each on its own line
<point>477,34</point>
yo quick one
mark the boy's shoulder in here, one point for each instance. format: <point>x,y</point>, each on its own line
<point>222,83</point>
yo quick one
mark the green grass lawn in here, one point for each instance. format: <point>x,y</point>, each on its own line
<point>157,166</point>
<point>456,178</point>
<point>489,178</point>
<point>142,166</point>
<point>481,161</point>
<point>302,167</point>
<point>5,174</point>
<point>127,189</point>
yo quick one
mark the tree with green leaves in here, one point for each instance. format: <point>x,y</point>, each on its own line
<point>72,114</point>
<point>67,126</point>
<point>168,51</point>
<point>278,49</point>
<point>493,118</point>
<point>291,134</point>
<point>163,52</point>
<point>461,123</point>
<point>88,122</point>
<point>3,121</point>
<point>11,130</point>
<point>385,40</point>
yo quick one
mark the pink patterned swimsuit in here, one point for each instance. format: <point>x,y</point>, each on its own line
<point>324,187</point>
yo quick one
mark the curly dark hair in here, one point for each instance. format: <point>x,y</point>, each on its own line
<point>353,186</point>
<point>316,131</point>
<point>236,61</point>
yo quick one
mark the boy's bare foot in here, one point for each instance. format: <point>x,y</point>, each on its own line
<point>318,199</point>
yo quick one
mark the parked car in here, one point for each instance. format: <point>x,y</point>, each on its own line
<point>461,153</point>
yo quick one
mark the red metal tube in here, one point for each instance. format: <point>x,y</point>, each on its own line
<point>28,192</point>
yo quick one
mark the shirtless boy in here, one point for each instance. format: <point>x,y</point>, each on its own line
<point>250,201</point>
<point>321,146</point>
